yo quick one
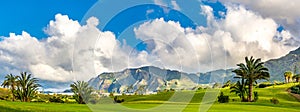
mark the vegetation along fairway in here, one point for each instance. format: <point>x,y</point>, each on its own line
<point>147,102</point>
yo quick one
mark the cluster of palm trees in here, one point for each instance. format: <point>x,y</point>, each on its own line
<point>23,87</point>
<point>249,73</point>
<point>289,77</point>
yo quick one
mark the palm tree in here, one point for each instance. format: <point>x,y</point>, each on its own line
<point>240,90</point>
<point>252,71</point>
<point>288,75</point>
<point>27,87</point>
<point>82,91</point>
<point>241,86</point>
<point>10,82</point>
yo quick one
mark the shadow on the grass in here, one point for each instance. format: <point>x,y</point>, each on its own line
<point>6,109</point>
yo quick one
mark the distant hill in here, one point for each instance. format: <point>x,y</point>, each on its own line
<point>277,67</point>
<point>156,78</point>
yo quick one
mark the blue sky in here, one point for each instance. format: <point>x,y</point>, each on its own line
<point>33,15</point>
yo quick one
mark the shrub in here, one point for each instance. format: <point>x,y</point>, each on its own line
<point>93,101</point>
<point>111,94</point>
<point>255,95</point>
<point>38,100</point>
<point>4,97</point>
<point>223,98</point>
<point>263,85</point>
<point>172,89</point>
<point>117,100</point>
<point>295,89</point>
<point>56,99</point>
<point>199,88</point>
<point>274,100</point>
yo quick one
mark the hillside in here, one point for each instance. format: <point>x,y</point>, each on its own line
<point>277,67</point>
<point>154,78</point>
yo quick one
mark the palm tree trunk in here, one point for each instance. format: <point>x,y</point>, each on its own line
<point>13,92</point>
<point>250,91</point>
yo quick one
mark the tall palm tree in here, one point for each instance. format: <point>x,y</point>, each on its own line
<point>10,82</point>
<point>288,76</point>
<point>82,91</point>
<point>252,71</point>
<point>27,87</point>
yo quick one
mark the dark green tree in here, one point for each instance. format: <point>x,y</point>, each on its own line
<point>297,77</point>
<point>11,83</point>
<point>240,90</point>
<point>252,70</point>
<point>82,92</point>
<point>27,87</point>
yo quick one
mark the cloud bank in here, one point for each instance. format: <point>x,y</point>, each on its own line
<point>79,52</point>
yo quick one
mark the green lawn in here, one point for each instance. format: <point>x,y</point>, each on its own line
<point>160,102</point>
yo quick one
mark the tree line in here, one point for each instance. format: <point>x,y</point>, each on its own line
<point>24,87</point>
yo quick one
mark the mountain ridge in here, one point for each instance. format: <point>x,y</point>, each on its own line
<point>157,78</point>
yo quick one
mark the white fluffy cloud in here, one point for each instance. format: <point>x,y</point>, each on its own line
<point>221,44</point>
<point>50,58</point>
<point>284,12</point>
<point>47,59</point>
<point>79,52</point>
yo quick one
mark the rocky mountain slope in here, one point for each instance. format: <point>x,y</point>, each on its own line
<point>153,78</point>
<point>289,62</point>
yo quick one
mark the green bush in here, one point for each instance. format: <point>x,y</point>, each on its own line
<point>199,88</point>
<point>274,100</point>
<point>38,100</point>
<point>223,98</point>
<point>111,94</point>
<point>263,85</point>
<point>295,89</point>
<point>56,99</point>
<point>117,100</point>
<point>255,95</point>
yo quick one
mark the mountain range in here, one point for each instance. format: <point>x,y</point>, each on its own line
<point>154,78</point>
<point>289,62</point>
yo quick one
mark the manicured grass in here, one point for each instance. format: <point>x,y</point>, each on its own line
<point>41,107</point>
<point>161,102</point>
